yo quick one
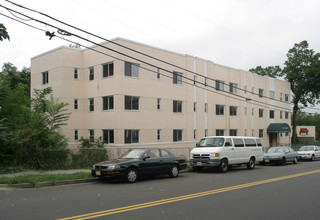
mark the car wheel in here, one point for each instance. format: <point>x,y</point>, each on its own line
<point>313,158</point>
<point>295,161</point>
<point>223,166</point>
<point>251,163</point>
<point>283,161</point>
<point>174,171</point>
<point>132,175</point>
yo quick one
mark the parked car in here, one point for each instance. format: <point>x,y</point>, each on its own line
<point>309,152</point>
<point>280,155</point>
<point>141,162</point>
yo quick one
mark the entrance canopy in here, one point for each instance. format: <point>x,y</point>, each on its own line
<point>278,128</point>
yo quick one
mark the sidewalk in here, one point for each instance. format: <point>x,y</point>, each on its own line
<point>46,172</point>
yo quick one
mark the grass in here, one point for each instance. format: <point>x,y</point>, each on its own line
<point>34,179</point>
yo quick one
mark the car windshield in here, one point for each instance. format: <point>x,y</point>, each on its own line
<point>276,150</point>
<point>306,148</point>
<point>211,142</point>
<point>134,154</point>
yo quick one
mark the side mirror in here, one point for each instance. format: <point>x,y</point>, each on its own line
<point>146,157</point>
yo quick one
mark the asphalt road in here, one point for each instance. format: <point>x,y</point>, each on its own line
<point>267,192</point>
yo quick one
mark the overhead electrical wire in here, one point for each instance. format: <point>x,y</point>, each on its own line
<point>134,50</point>
<point>192,80</point>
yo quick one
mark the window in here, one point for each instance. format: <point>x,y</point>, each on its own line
<point>158,134</point>
<point>271,113</point>
<point>45,77</point>
<point>107,70</point>
<point>205,132</point>
<point>108,136</point>
<point>280,96</point>
<point>219,109</point>
<point>286,98</point>
<point>271,94</point>
<point>233,132</point>
<point>233,110</point>
<point>158,104</point>
<point>219,132</point>
<point>91,135</point>
<point>260,113</point>
<point>131,69</point>
<point>131,136</point>
<point>91,73</point>
<point>286,115</point>
<point>233,87</point>
<point>205,81</point>
<point>250,142</point>
<point>131,103</point>
<point>76,135</point>
<point>260,93</point>
<point>177,106</point>
<point>194,133</point>
<point>194,79</point>
<point>164,153</point>
<point>280,114</point>
<point>177,78</point>
<point>260,133</point>
<point>194,106</point>
<point>219,85</point>
<point>76,73</point>
<point>76,104</point>
<point>91,104</point>
<point>238,142</point>
<point>259,142</point>
<point>205,107</point>
<point>107,102</point>
<point>153,153</point>
<point>158,73</point>
<point>177,135</point>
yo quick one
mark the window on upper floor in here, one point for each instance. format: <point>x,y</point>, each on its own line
<point>271,94</point>
<point>271,113</point>
<point>219,85</point>
<point>91,73</point>
<point>233,87</point>
<point>107,103</point>
<point>76,73</point>
<point>158,73</point>
<point>286,98</point>
<point>131,102</point>
<point>91,104</point>
<point>177,78</point>
<point>260,113</point>
<point>260,93</point>
<point>286,115</point>
<point>107,70</point>
<point>177,106</point>
<point>158,103</point>
<point>131,69</point>
<point>76,104</point>
<point>233,110</point>
<point>219,109</point>
<point>45,77</point>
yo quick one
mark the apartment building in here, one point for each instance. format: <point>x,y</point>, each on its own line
<point>133,100</point>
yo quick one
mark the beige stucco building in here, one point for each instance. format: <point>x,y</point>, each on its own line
<point>133,100</point>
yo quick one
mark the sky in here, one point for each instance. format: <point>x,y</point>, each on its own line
<point>241,34</point>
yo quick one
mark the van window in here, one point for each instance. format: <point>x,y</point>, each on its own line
<point>259,142</point>
<point>228,142</point>
<point>250,142</point>
<point>211,142</point>
<point>238,142</point>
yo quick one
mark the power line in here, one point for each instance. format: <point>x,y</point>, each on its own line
<point>203,84</point>
<point>133,50</point>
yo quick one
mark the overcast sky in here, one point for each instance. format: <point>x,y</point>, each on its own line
<point>238,33</point>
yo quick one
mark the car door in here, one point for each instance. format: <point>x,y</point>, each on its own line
<point>166,161</point>
<point>317,152</point>
<point>151,163</point>
<point>290,155</point>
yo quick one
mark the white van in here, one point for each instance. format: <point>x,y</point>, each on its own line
<point>224,151</point>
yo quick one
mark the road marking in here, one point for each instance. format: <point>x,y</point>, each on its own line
<point>185,197</point>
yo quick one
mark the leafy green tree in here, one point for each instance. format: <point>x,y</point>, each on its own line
<point>3,33</point>
<point>302,70</point>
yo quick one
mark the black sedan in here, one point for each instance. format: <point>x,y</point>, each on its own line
<point>141,162</point>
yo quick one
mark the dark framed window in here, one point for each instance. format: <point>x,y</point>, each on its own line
<point>281,114</point>
<point>131,69</point>
<point>131,102</point>
<point>260,133</point>
<point>76,73</point>
<point>45,77</point>
<point>177,106</point>
<point>91,134</point>
<point>91,104</point>
<point>286,115</point>
<point>219,132</point>
<point>108,136</point>
<point>158,73</point>
<point>76,104</point>
<point>233,87</point>
<point>194,106</point>
<point>286,98</point>
<point>233,110</point>
<point>131,136</point>
<point>177,135</point>
<point>177,78</point>
<point>158,104</point>
<point>260,113</point>
<point>91,73</point>
<point>219,109</point>
<point>107,69</point>
<point>271,113</point>
<point>219,85</point>
<point>233,132</point>
<point>76,135</point>
<point>250,142</point>
<point>158,134</point>
<point>238,142</point>
<point>260,93</point>
<point>107,103</point>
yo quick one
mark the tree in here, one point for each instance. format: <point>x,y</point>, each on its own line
<point>302,70</point>
<point>3,33</point>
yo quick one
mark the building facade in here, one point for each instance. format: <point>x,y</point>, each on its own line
<point>133,100</point>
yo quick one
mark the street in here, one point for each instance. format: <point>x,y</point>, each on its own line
<point>266,192</point>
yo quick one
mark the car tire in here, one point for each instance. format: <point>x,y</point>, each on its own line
<point>132,175</point>
<point>251,164</point>
<point>283,161</point>
<point>174,171</point>
<point>312,157</point>
<point>295,161</point>
<point>223,166</point>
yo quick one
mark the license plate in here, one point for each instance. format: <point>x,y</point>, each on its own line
<point>98,173</point>
<point>199,163</point>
